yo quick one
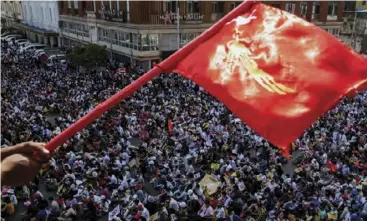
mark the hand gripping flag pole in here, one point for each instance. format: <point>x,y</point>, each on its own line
<point>165,66</point>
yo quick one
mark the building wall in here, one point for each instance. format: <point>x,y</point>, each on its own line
<point>12,11</point>
<point>147,29</point>
<point>42,14</point>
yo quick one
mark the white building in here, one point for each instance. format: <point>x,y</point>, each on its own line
<point>11,12</point>
<point>41,21</point>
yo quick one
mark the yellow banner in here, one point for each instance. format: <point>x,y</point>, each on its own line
<point>211,183</point>
<point>214,166</point>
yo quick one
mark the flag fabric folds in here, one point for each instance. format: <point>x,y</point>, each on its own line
<point>275,71</point>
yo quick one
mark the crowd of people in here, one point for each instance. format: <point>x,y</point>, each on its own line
<point>173,152</point>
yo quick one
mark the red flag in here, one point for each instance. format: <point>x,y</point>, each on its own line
<point>170,126</point>
<point>275,71</point>
<point>331,166</point>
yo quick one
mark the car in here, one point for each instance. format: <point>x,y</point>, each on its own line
<point>32,47</point>
<point>56,57</point>
<point>11,36</point>
<point>14,38</point>
<point>23,44</point>
<point>38,53</point>
<point>5,34</point>
<point>21,40</point>
<point>17,41</point>
<point>8,34</point>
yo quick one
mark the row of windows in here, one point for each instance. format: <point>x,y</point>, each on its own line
<point>145,42</point>
<point>77,29</point>
<point>194,6</point>
<point>130,40</point>
<point>75,4</point>
<point>187,37</point>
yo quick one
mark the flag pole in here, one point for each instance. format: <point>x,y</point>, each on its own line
<point>178,25</point>
<point>165,66</point>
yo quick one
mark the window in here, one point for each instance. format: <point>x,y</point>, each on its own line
<point>154,42</point>
<point>115,37</point>
<point>193,7</point>
<point>217,7</point>
<point>77,29</point>
<point>290,7</point>
<point>234,5</point>
<point>31,13</point>
<point>84,5</point>
<point>43,15</point>
<point>50,12</point>
<point>303,9</point>
<point>103,35</point>
<point>145,42</point>
<point>69,3</point>
<point>332,8</point>
<point>76,4</point>
<point>187,37</point>
<point>136,41</point>
<point>124,39</point>
<point>25,13</point>
<point>275,5</point>
<point>171,6</point>
<point>336,31</point>
<point>316,8</point>
<point>149,42</point>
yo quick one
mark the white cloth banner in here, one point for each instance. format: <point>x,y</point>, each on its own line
<point>114,213</point>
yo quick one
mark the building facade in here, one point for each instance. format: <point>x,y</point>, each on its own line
<point>41,22</point>
<point>361,5</point>
<point>11,13</point>
<point>148,31</point>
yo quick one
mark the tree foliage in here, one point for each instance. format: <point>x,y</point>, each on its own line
<point>88,56</point>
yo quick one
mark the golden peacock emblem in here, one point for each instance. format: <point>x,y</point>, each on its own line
<point>235,55</point>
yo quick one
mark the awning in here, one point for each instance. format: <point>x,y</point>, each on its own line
<point>35,29</point>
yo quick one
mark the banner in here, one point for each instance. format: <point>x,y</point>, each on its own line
<point>114,213</point>
<point>214,166</point>
<point>211,183</point>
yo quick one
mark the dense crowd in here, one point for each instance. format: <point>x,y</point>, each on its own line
<point>173,152</point>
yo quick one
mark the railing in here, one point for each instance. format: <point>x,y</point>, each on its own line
<point>315,17</point>
<point>91,15</point>
<point>332,17</point>
<point>159,20</point>
<point>171,20</point>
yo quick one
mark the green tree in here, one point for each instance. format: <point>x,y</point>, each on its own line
<point>88,56</point>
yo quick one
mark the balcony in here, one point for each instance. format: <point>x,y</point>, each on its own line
<point>216,16</point>
<point>193,18</point>
<point>91,15</point>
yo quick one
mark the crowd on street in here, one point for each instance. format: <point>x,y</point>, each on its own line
<point>194,160</point>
